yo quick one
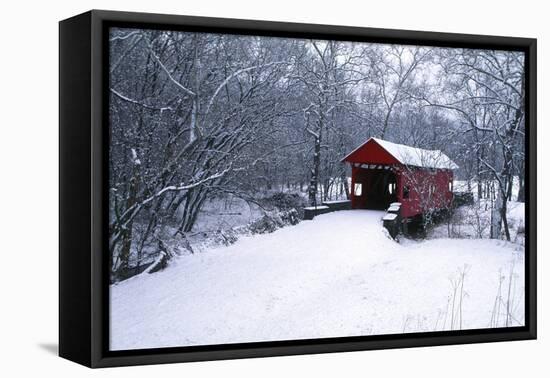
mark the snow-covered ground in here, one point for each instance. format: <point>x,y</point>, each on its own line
<point>338,275</point>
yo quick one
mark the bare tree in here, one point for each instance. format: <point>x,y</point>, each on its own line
<point>486,90</point>
<point>329,72</point>
<point>395,70</point>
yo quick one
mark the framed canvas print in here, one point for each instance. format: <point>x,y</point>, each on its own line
<point>233,188</point>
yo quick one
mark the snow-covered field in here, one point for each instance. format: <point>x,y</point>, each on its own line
<point>338,275</point>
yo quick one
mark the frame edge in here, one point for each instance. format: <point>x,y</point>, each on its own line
<point>74,193</point>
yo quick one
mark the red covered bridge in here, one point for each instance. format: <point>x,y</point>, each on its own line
<point>383,172</point>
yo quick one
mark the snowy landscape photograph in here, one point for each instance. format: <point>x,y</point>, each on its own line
<point>267,189</point>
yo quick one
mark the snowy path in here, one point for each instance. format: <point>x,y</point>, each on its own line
<point>338,275</point>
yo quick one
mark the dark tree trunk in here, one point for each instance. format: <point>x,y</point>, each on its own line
<point>504,218</point>
<point>509,191</point>
<point>314,181</point>
<point>191,209</point>
<point>521,190</point>
<point>126,247</point>
<point>345,184</point>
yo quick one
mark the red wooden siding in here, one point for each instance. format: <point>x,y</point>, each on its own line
<point>428,189</point>
<point>371,153</point>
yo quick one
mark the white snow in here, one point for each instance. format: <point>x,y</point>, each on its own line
<point>320,207</point>
<point>394,208</point>
<point>389,217</point>
<point>135,157</point>
<point>337,275</point>
<point>417,157</point>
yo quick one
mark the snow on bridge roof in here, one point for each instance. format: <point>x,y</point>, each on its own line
<point>413,156</point>
<point>417,156</point>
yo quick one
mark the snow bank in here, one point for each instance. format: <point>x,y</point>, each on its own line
<point>338,275</point>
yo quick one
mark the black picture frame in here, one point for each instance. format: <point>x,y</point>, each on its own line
<point>83,154</point>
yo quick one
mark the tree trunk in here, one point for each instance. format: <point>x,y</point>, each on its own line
<point>496,217</point>
<point>314,181</point>
<point>345,184</point>
<point>125,249</point>
<point>326,189</point>
<point>193,203</point>
<point>521,190</point>
<point>509,189</point>
<point>504,218</point>
<point>479,188</point>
